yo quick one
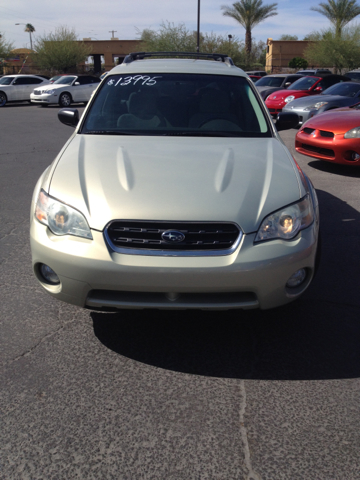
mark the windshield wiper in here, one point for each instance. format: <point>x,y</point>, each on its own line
<point>108,132</point>
<point>202,134</point>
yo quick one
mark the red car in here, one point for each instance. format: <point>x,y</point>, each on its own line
<point>333,136</point>
<point>311,85</point>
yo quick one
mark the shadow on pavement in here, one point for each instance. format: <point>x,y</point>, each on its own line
<point>316,337</point>
<point>335,168</point>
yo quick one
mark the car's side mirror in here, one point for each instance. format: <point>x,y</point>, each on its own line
<point>318,89</point>
<point>77,83</point>
<point>287,84</point>
<point>69,116</point>
<point>286,120</point>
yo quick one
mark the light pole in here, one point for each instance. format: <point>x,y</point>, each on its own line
<point>29,33</point>
<point>198,28</point>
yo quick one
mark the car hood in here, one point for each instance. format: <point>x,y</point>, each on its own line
<point>53,86</point>
<point>339,121</point>
<point>166,178</point>
<point>282,94</point>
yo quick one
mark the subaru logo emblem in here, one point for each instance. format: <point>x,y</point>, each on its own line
<point>173,236</point>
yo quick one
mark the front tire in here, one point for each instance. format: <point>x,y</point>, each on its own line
<point>65,100</point>
<point>3,99</point>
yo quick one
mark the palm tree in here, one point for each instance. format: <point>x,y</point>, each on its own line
<point>339,12</point>
<point>249,13</point>
<point>30,28</point>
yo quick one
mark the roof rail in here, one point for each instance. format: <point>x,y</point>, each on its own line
<point>213,56</point>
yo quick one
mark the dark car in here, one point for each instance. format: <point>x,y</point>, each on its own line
<point>343,94</point>
<point>272,83</point>
<point>316,71</point>
<point>257,73</point>
<point>354,75</point>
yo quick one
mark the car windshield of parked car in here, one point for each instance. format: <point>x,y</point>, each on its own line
<point>269,81</point>
<point>6,80</point>
<point>176,104</point>
<point>343,89</point>
<point>64,81</point>
<point>304,83</point>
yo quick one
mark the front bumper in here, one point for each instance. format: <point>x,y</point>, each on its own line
<point>303,115</point>
<point>274,107</point>
<point>48,99</point>
<point>335,150</point>
<point>93,276</point>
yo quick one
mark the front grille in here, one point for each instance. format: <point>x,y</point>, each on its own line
<point>323,133</point>
<point>321,151</point>
<point>144,236</point>
<point>37,92</point>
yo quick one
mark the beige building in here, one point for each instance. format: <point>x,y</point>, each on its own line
<point>113,51</point>
<point>19,61</point>
<point>279,53</point>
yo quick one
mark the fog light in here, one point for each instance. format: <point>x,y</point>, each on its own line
<point>49,275</point>
<point>297,278</point>
<point>355,156</point>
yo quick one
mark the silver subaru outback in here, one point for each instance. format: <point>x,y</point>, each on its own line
<point>175,191</point>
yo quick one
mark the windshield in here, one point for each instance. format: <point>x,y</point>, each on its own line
<point>6,80</point>
<point>64,81</point>
<point>304,83</point>
<point>176,104</point>
<point>269,82</point>
<point>343,89</point>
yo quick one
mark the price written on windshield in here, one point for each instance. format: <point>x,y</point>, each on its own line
<point>133,80</point>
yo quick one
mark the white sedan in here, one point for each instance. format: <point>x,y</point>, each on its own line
<point>17,88</point>
<point>66,90</point>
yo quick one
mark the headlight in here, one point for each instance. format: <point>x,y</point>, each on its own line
<point>287,222</point>
<point>316,106</point>
<point>290,98</point>
<point>353,133</point>
<point>60,218</point>
<point>49,92</point>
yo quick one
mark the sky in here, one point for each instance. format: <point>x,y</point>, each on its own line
<point>102,19</point>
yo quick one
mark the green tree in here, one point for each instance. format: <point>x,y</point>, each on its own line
<point>30,29</point>
<point>313,36</point>
<point>287,37</point>
<point>339,12</point>
<point>258,55</point>
<point>339,52</point>
<point>59,51</point>
<point>298,62</point>
<point>169,38</point>
<point>176,38</point>
<point>249,13</point>
<point>5,47</point>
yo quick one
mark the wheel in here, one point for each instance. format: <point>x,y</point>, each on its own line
<point>65,99</point>
<point>3,99</point>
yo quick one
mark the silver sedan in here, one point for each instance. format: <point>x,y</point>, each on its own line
<point>344,94</point>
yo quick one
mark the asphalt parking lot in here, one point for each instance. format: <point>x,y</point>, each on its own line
<point>140,395</point>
